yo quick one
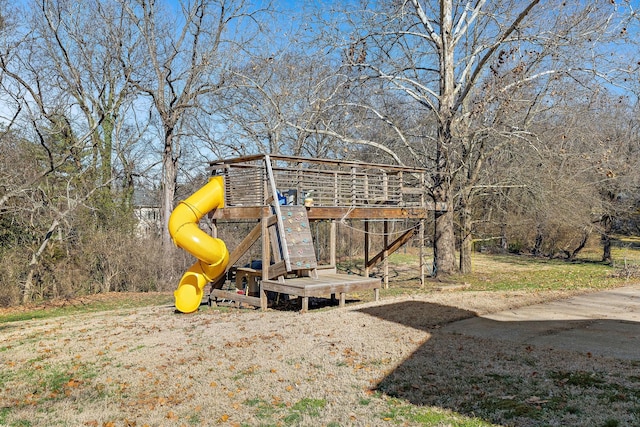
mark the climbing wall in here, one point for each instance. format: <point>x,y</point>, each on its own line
<point>297,234</point>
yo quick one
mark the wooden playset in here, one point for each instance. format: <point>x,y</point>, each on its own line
<point>284,195</point>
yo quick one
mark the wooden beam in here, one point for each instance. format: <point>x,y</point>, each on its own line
<point>241,212</point>
<point>217,164</point>
<point>282,240</point>
<point>266,260</point>
<point>385,253</point>
<point>234,296</point>
<point>394,246</point>
<point>332,212</point>
<point>377,212</point>
<point>422,253</point>
<point>277,269</point>
<point>247,242</point>
<point>332,244</point>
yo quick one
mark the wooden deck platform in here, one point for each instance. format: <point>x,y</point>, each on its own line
<point>324,285</point>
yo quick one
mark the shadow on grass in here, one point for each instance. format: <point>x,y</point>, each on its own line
<point>315,303</point>
<point>504,373</point>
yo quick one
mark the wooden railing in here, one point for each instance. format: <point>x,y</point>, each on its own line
<point>327,182</point>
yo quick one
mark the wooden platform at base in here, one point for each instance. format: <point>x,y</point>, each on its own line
<point>238,299</point>
<point>325,284</point>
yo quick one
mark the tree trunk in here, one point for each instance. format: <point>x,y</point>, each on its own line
<point>444,244</point>
<point>169,183</point>
<point>606,248</point>
<point>581,245</point>
<point>104,196</point>
<point>504,241</point>
<point>537,247</point>
<point>466,241</point>
<point>605,237</point>
<point>27,292</point>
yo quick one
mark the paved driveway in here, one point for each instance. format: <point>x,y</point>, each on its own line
<point>603,323</point>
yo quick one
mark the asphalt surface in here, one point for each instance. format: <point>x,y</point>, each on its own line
<point>603,323</point>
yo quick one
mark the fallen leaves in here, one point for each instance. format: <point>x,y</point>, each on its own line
<point>73,383</point>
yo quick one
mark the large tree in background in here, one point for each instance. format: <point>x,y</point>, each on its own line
<point>438,58</point>
<point>80,48</point>
<point>186,52</point>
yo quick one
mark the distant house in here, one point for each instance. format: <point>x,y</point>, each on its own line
<point>146,207</point>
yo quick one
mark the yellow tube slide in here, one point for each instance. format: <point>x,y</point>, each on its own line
<point>212,253</point>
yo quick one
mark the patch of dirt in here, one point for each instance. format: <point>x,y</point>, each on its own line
<point>368,364</point>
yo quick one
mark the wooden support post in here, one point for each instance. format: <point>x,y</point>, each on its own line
<point>298,180</point>
<point>385,253</point>
<point>422,252</point>
<point>266,260</point>
<point>353,187</point>
<point>276,207</point>
<point>366,248</point>
<point>366,188</point>
<point>332,244</point>
<point>385,186</point>
<point>342,299</point>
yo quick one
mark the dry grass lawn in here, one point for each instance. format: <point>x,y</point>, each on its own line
<point>385,363</point>
<point>362,365</point>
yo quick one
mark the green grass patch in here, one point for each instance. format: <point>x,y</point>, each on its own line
<point>578,378</point>
<point>111,302</point>
<point>311,407</point>
<point>264,410</point>
<point>4,412</point>
<point>518,272</point>
<point>401,258</point>
<point>400,412</point>
<point>41,382</point>
<point>277,410</point>
<point>509,272</point>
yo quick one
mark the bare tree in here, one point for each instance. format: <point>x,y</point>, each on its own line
<point>439,57</point>
<point>81,46</point>
<point>185,53</point>
<point>68,96</point>
<point>280,104</point>
<point>577,178</point>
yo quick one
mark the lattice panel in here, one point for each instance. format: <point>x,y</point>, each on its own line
<point>244,186</point>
